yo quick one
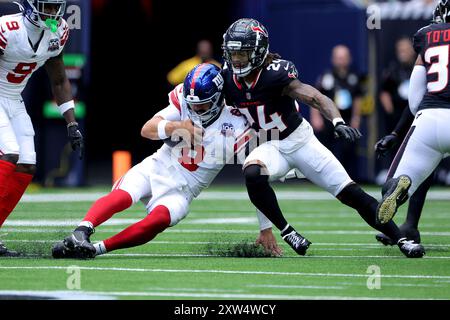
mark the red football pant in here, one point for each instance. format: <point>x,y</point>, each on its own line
<point>104,208</point>
<point>12,186</point>
<point>141,232</point>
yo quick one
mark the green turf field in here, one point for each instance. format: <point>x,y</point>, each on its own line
<point>188,262</point>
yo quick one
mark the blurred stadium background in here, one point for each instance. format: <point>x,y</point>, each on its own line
<point>119,57</point>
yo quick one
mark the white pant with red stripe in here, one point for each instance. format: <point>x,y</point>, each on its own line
<point>156,182</point>
<point>428,144</point>
<point>16,131</point>
<point>303,151</point>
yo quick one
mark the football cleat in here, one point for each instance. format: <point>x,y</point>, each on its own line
<point>395,193</point>
<point>411,249</point>
<point>297,242</point>
<point>409,232</point>
<point>384,239</point>
<point>77,245</point>
<point>5,252</point>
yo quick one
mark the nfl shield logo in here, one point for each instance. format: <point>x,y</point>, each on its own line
<point>248,95</point>
<point>227,129</point>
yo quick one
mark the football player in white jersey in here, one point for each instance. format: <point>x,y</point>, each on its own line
<point>167,181</point>
<point>28,40</point>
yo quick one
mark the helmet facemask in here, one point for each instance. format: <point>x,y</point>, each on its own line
<point>45,14</point>
<point>204,118</point>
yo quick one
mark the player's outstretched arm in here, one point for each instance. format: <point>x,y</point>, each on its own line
<point>314,98</point>
<point>62,93</point>
<point>158,128</point>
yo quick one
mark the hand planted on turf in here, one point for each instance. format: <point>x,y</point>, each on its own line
<point>269,243</point>
<point>385,144</point>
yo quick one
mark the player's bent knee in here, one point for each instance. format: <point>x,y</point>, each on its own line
<point>10,157</point>
<point>253,174</point>
<point>26,168</point>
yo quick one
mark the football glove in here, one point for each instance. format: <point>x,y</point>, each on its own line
<point>76,138</point>
<point>341,130</point>
<point>385,144</point>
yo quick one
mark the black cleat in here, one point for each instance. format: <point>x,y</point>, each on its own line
<point>395,193</point>
<point>411,249</point>
<point>61,251</point>
<point>409,232</point>
<point>5,252</point>
<point>384,239</point>
<point>297,242</point>
<point>77,245</point>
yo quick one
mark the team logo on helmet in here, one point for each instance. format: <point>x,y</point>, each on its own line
<point>259,29</point>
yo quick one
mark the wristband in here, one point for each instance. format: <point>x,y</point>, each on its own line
<point>337,120</point>
<point>66,106</point>
<point>162,129</point>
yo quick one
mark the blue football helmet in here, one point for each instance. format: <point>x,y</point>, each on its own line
<point>37,12</point>
<point>204,84</point>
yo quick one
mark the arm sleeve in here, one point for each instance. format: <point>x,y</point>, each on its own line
<point>417,87</point>
<point>404,123</point>
<point>264,223</point>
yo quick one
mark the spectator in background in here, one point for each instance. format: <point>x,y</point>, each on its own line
<point>343,87</point>
<point>395,83</point>
<point>204,54</point>
<point>394,96</point>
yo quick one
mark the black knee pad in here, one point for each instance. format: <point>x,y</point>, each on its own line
<point>10,157</point>
<point>253,175</point>
<point>26,168</point>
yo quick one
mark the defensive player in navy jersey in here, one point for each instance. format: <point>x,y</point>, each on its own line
<point>417,200</point>
<point>428,140</point>
<point>265,88</point>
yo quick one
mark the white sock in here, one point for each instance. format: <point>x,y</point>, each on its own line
<point>86,224</point>
<point>99,248</point>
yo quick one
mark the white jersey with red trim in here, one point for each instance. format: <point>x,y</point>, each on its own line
<point>199,164</point>
<point>18,59</point>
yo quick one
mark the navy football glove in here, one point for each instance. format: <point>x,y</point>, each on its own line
<point>341,130</point>
<point>76,138</point>
<point>385,144</point>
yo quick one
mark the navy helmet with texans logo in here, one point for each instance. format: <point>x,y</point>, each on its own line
<point>204,84</point>
<point>248,36</point>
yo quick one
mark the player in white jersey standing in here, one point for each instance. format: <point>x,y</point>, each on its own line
<point>167,181</point>
<point>428,140</point>
<point>28,40</point>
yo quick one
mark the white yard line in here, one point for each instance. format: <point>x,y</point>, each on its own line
<point>368,245</point>
<point>215,195</point>
<point>275,286</point>
<point>213,221</point>
<point>191,271</point>
<point>215,231</point>
<point>95,295</point>
<point>311,256</point>
<point>62,295</point>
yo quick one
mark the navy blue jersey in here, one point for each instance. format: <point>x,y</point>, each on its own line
<point>263,102</point>
<point>432,43</point>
